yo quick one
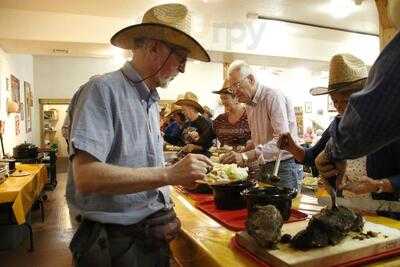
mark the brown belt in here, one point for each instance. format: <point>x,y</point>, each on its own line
<point>139,229</point>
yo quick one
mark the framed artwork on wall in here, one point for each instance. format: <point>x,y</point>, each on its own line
<point>308,107</point>
<point>331,106</point>
<point>28,106</point>
<point>15,90</point>
<point>17,129</point>
<point>7,84</point>
<point>21,111</point>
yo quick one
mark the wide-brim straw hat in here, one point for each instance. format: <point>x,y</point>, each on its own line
<point>346,72</point>
<point>190,99</point>
<point>394,12</point>
<point>224,91</point>
<point>208,111</point>
<point>170,23</point>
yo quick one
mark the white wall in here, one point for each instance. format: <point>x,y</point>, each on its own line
<point>199,78</point>
<point>60,77</point>
<point>21,66</point>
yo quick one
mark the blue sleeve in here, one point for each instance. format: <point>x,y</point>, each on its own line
<point>372,117</point>
<point>92,128</point>
<point>395,181</point>
<point>312,152</point>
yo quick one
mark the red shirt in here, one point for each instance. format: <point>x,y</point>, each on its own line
<point>232,134</point>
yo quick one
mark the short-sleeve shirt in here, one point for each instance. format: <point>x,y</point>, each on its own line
<point>234,135</point>
<point>116,120</point>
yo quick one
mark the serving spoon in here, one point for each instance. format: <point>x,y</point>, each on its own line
<point>332,190</point>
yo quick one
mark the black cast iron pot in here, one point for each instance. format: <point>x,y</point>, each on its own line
<point>229,196</point>
<point>281,198</point>
<point>25,151</point>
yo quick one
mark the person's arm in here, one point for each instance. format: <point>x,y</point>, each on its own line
<point>92,137</point>
<point>372,118</point>
<point>311,153</point>
<point>92,176</point>
<point>206,134</point>
<point>394,183</point>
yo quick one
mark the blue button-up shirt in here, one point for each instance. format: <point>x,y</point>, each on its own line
<point>372,117</point>
<point>116,121</point>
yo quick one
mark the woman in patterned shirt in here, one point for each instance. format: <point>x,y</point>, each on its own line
<point>231,127</point>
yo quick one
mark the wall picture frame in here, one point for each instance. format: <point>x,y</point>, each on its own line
<point>7,84</point>
<point>15,89</point>
<point>308,107</point>
<point>28,106</point>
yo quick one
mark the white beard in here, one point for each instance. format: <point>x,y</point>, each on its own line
<point>165,82</point>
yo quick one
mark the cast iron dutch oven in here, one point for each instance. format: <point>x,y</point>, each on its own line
<point>279,197</point>
<point>229,196</point>
<point>25,151</point>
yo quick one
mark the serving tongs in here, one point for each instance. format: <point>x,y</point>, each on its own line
<point>275,178</point>
<point>332,190</point>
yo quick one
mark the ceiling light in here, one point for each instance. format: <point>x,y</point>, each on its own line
<point>60,51</point>
<point>340,9</point>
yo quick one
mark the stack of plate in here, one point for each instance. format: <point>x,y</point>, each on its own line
<point>3,172</point>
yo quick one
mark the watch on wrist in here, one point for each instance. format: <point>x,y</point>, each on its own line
<point>380,187</point>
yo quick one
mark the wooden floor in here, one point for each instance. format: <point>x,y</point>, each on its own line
<point>51,238</point>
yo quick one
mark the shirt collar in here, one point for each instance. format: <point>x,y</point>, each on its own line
<point>257,95</point>
<point>132,75</point>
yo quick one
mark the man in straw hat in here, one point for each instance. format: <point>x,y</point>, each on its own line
<point>198,133</point>
<point>372,117</point>
<point>364,175</point>
<point>117,180</point>
<point>269,114</point>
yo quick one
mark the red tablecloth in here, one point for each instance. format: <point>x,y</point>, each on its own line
<point>235,219</point>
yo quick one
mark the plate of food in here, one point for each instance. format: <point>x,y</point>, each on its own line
<point>310,182</point>
<point>224,174</point>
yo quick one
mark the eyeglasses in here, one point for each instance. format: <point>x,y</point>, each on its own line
<point>180,55</point>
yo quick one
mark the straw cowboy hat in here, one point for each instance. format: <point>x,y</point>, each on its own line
<point>190,99</point>
<point>169,23</point>
<point>209,111</point>
<point>394,12</point>
<point>346,72</point>
<point>226,89</point>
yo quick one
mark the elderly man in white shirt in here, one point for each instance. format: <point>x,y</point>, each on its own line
<point>269,114</point>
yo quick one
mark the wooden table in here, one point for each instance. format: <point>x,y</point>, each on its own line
<point>204,242</point>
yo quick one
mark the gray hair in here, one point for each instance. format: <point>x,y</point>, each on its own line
<point>244,69</point>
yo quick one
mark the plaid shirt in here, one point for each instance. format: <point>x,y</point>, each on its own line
<point>372,118</point>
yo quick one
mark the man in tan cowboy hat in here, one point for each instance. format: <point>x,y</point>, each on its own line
<point>372,117</point>
<point>347,76</point>
<point>117,180</point>
<point>197,132</point>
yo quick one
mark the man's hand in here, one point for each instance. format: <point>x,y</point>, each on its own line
<point>249,146</point>
<point>231,157</point>
<point>189,148</point>
<point>194,136</point>
<point>286,142</point>
<point>366,185</point>
<point>186,171</point>
<point>327,168</point>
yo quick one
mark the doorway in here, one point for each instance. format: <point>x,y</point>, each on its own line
<point>52,115</point>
